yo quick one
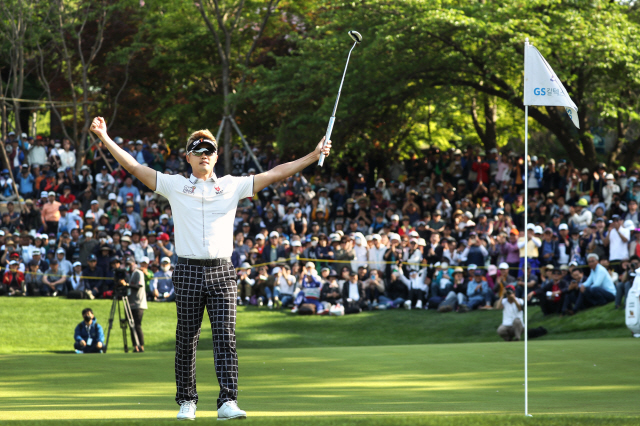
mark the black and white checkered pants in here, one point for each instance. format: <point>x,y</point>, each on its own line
<point>215,288</point>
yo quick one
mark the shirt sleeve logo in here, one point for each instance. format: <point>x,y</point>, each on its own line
<point>188,189</point>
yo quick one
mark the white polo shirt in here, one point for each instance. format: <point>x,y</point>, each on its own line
<point>511,312</point>
<point>618,249</point>
<point>203,212</point>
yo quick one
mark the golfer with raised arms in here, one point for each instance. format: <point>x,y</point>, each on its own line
<point>204,208</point>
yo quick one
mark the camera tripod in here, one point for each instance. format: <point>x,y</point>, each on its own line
<point>125,322</point>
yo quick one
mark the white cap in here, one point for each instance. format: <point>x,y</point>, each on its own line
<point>335,238</point>
<point>469,215</point>
<point>88,234</point>
<point>531,226</point>
<point>296,243</point>
<point>413,240</point>
<point>112,196</point>
<point>275,270</point>
<point>13,262</point>
<point>538,229</point>
<point>376,237</point>
<point>164,216</point>
<point>499,211</point>
<point>503,265</point>
<point>76,264</point>
<point>444,265</point>
<point>309,265</point>
<point>629,224</point>
<point>165,260</point>
<point>95,202</point>
<point>565,227</point>
<point>414,234</point>
<point>51,193</point>
<point>422,242</point>
<point>394,236</point>
<point>609,176</point>
<point>534,158</point>
<point>472,266</point>
<point>36,252</point>
<point>395,217</point>
<point>60,250</point>
<point>260,237</point>
<point>369,237</point>
<point>144,259</point>
<point>273,234</point>
<point>44,194</point>
<point>285,242</point>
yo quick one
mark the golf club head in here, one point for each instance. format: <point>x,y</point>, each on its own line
<point>356,36</point>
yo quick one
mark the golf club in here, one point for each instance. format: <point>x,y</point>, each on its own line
<point>357,38</point>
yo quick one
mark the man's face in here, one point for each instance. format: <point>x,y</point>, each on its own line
<point>51,198</point>
<point>576,275</point>
<point>202,165</point>
<point>59,255</point>
<point>592,262</point>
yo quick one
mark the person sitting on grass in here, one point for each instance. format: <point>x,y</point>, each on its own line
<point>397,292</point>
<point>55,283</point>
<point>285,287</point>
<point>478,292</point>
<point>311,287</point>
<point>512,319</point>
<point>331,290</point>
<point>13,280</point>
<point>89,336</point>
<point>552,293</point>
<point>33,279</point>
<point>418,289</point>
<point>598,289</point>
<point>353,295</point>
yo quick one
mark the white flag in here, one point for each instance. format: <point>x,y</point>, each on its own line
<point>542,86</point>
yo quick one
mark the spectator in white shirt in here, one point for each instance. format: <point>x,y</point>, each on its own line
<point>512,318</point>
<point>617,239</point>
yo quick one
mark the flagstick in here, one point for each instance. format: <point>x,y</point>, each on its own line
<point>526,256</point>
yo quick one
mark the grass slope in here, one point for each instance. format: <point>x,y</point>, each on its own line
<point>398,385</point>
<point>47,324</point>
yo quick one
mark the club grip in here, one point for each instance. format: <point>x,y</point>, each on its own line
<point>327,137</point>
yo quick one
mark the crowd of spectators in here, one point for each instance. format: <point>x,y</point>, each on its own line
<point>443,231</point>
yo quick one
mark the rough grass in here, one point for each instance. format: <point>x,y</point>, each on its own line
<point>47,324</point>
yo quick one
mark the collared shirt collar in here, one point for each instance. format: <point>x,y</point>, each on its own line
<point>195,180</point>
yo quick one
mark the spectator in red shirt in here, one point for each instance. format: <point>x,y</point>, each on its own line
<point>12,280</point>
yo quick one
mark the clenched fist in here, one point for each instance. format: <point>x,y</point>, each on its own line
<point>99,126</point>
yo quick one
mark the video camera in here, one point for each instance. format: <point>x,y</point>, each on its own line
<point>120,274</point>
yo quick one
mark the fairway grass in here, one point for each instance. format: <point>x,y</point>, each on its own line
<point>407,384</point>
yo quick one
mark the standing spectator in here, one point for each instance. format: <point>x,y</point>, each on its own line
<point>51,214</point>
<point>67,155</point>
<point>25,182</point>
<point>38,153</point>
<point>617,239</point>
<point>138,302</point>
<point>512,319</point>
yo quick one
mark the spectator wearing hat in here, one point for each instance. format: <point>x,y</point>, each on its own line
<point>512,316</point>
<point>25,182</point>
<point>33,279</point>
<point>161,286</point>
<point>285,287</point>
<point>598,288</point>
<point>478,293</point>
<point>137,299</point>
<point>133,217</point>
<point>533,243</point>
<point>54,282</point>
<point>51,213</point>
<point>165,224</point>
<point>273,249</point>
<point>502,280</point>
<point>128,188</point>
<point>112,208</point>
<point>298,223</point>
<point>93,275</point>
<point>245,283</point>
<point>105,183</point>
<point>77,284</point>
<point>125,250</point>
<point>43,264</point>
<point>581,217</point>
<point>68,221</point>
<point>310,289</point>
<point>13,280</point>
<point>609,189</point>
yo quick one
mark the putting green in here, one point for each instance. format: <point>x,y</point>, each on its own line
<point>578,377</point>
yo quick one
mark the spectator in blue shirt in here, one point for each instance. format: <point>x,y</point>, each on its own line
<point>89,336</point>
<point>25,182</point>
<point>161,285</point>
<point>478,292</point>
<point>598,289</point>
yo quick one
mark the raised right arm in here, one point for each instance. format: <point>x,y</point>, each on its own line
<point>145,174</point>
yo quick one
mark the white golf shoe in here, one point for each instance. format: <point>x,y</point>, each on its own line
<point>407,304</point>
<point>419,304</point>
<point>187,411</point>
<point>230,411</point>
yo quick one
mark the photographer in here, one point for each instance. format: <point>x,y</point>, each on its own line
<point>137,299</point>
<point>88,335</point>
<point>512,319</point>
